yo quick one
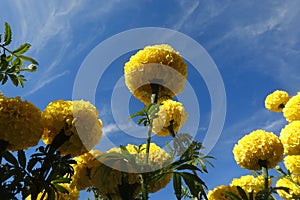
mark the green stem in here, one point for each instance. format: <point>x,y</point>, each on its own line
<point>143,176</point>
<point>264,169</point>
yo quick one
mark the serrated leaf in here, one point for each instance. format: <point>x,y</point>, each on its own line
<point>29,59</point>
<point>10,158</point>
<point>22,49</point>
<point>22,158</point>
<point>177,185</point>
<point>7,34</point>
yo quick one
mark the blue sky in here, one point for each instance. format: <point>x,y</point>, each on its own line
<point>254,44</point>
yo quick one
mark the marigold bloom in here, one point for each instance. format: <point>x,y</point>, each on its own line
<point>21,125</point>
<point>169,112</point>
<point>290,138</point>
<point>155,64</point>
<point>157,159</point>
<point>291,111</point>
<point>218,193</point>
<point>81,124</point>
<point>84,169</point>
<point>258,146</point>
<point>72,195</point>
<point>250,183</point>
<point>292,163</point>
<point>276,101</point>
<point>293,186</point>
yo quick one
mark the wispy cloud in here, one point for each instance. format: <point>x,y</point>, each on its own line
<point>52,28</point>
<point>44,82</point>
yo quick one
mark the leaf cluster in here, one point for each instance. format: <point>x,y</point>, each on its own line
<point>44,171</point>
<point>12,61</point>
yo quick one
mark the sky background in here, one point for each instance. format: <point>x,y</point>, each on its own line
<point>254,44</point>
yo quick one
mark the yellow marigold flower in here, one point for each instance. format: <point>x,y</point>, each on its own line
<point>160,63</point>
<point>291,111</point>
<point>81,124</point>
<point>218,193</point>
<point>292,163</point>
<point>157,159</point>
<point>117,181</point>
<point>250,183</point>
<point>276,101</point>
<point>21,125</point>
<point>72,195</point>
<point>293,186</point>
<point>290,138</point>
<point>170,112</point>
<point>258,146</point>
<point>84,169</point>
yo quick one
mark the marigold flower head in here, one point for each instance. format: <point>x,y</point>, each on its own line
<point>291,110</point>
<point>290,138</point>
<point>171,113</point>
<point>157,159</point>
<point>72,195</point>
<point>80,121</point>
<point>21,125</point>
<point>218,193</point>
<point>158,64</point>
<point>292,163</point>
<point>294,187</point>
<point>84,169</point>
<point>276,101</point>
<point>258,146</point>
<point>250,183</point>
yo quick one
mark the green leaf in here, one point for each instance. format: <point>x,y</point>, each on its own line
<point>7,34</point>
<point>10,158</point>
<point>61,180</point>
<point>29,59</point>
<point>233,196</point>
<point>139,113</point>
<point>142,120</point>
<point>17,63</point>
<point>22,158</point>
<point>22,49</point>
<point>32,162</point>
<point>61,189</point>
<point>177,185</point>
<point>192,182</point>
<point>188,166</point>
<point>242,193</point>
<point>14,79</point>
<point>21,80</point>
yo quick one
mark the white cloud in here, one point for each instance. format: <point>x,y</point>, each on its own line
<point>110,128</point>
